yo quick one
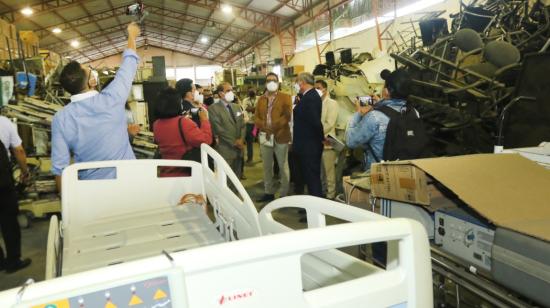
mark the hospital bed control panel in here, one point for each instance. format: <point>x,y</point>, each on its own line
<point>463,235</point>
<point>153,293</point>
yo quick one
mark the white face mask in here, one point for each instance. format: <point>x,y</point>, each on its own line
<point>272,86</point>
<point>196,96</point>
<point>200,98</point>
<point>320,92</point>
<point>229,96</point>
<point>297,88</point>
<point>216,100</point>
<point>94,79</point>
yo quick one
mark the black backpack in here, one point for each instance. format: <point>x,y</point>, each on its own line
<point>6,176</point>
<point>406,137</point>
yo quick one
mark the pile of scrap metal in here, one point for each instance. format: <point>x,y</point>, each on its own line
<point>485,80</point>
<point>144,145</point>
<point>34,120</point>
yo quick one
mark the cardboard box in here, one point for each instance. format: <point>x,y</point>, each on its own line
<point>13,31</point>
<point>5,28</point>
<point>401,182</point>
<point>29,37</point>
<point>509,190</point>
<point>355,194</point>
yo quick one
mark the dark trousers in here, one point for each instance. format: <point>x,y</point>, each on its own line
<point>295,172</point>
<point>249,141</point>
<point>9,226</point>
<point>310,169</point>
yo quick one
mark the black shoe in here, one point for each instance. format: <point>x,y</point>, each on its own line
<point>266,198</point>
<point>19,265</point>
<point>303,219</point>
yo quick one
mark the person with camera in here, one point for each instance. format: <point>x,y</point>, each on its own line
<point>389,129</point>
<point>178,136</point>
<point>93,127</point>
<point>190,99</point>
<point>9,207</point>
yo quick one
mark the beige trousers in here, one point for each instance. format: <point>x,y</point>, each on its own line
<point>328,172</point>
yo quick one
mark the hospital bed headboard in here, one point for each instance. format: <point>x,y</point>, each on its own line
<point>136,187</point>
<point>236,216</point>
<point>259,272</point>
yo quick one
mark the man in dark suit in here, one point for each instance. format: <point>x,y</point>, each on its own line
<point>308,133</point>
<point>229,129</point>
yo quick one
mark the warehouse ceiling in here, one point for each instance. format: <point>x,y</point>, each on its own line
<point>195,27</point>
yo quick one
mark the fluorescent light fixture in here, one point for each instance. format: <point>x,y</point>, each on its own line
<point>226,8</point>
<point>27,11</point>
<point>204,40</point>
<point>75,43</point>
<point>56,30</point>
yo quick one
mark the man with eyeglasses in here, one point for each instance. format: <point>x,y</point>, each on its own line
<point>93,126</point>
<point>228,126</point>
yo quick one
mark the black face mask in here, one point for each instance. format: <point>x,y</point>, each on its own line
<point>209,101</point>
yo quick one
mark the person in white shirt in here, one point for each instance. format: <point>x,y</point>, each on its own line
<point>329,115</point>
<point>9,207</point>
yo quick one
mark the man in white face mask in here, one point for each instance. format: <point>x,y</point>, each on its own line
<point>228,126</point>
<point>273,115</point>
<point>329,115</point>
<point>189,95</point>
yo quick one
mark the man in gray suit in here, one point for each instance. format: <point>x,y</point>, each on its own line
<point>229,127</point>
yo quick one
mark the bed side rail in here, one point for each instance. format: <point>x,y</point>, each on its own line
<point>236,216</point>
<point>53,249</point>
<point>317,265</point>
<point>136,187</point>
<point>259,272</point>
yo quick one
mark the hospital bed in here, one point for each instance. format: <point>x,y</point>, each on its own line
<point>122,240</point>
<point>259,272</point>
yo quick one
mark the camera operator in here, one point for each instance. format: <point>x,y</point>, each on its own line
<point>190,97</point>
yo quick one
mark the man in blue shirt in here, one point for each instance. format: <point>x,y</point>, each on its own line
<point>93,126</point>
<point>367,127</point>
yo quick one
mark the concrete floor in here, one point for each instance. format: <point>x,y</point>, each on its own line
<point>34,238</point>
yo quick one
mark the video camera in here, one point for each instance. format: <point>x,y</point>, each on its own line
<point>137,10</point>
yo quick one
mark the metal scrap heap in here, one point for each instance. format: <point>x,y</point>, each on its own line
<point>483,83</point>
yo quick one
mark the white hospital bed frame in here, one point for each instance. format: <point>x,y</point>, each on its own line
<point>291,269</point>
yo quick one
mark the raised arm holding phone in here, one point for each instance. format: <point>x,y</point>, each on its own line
<point>93,127</point>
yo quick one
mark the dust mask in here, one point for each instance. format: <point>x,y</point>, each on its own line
<point>196,96</point>
<point>94,79</point>
<point>272,86</point>
<point>229,97</point>
<point>320,92</point>
<point>297,88</point>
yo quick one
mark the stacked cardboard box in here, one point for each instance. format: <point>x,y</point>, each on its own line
<point>51,60</point>
<point>29,42</point>
<point>8,38</point>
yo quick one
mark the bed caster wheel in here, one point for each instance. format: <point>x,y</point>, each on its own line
<point>24,220</point>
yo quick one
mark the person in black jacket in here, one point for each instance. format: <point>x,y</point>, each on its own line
<point>308,138</point>
<point>189,95</point>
